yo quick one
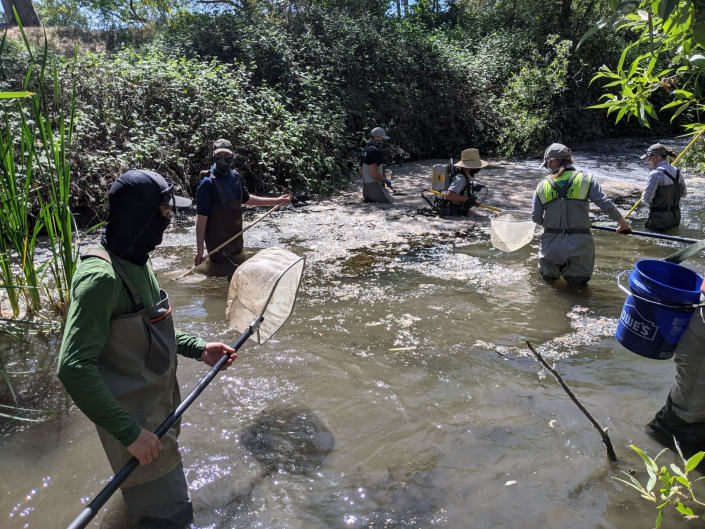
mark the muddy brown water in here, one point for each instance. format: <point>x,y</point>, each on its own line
<point>400,393</point>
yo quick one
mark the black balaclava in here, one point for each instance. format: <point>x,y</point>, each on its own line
<point>222,165</point>
<point>135,223</point>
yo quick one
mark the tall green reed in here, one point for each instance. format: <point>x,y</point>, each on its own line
<point>35,176</point>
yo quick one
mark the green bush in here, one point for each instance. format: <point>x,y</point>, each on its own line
<point>297,93</point>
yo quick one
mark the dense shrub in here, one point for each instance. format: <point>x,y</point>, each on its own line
<point>298,93</point>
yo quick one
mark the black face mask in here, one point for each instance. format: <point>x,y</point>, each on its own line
<point>135,224</point>
<point>222,166</point>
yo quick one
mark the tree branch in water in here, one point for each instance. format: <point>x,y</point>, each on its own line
<point>605,438</point>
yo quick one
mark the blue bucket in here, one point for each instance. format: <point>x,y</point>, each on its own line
<point>658,307</point>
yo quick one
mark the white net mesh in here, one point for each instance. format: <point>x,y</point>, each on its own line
<point>511,230</point>
<point>267,282</point>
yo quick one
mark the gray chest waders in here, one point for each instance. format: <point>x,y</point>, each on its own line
<point>372,189</point>
<point>566,247</point>
<point>665,211</point>
<point>138,364</point>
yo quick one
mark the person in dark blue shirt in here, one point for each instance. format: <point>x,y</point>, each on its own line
<point>219,199</point>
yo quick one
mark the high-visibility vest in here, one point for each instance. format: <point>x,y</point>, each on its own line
<point>568,206</point>
<point>577,187</point>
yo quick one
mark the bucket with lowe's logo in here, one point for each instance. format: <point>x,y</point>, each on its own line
<point>659,304</point>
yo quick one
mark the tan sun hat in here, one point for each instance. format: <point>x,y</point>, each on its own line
<point>470,159</point>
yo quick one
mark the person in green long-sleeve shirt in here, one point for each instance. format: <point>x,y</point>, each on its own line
<point>118,355</point>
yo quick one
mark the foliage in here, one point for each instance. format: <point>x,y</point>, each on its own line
<point>666,53</point>
<point>529,98</point>
<point>437,92</point>
<point>675,490</point>
<point>298,89</point>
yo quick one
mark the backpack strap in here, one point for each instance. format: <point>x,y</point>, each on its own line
<point>105,256</point>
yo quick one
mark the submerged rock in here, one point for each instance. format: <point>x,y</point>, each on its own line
<point>291,440</point>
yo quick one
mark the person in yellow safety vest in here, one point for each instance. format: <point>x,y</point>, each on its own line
<point>664,190</point>
<point>561,205</point>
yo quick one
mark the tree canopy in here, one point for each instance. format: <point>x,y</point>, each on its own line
<point>665,56</point>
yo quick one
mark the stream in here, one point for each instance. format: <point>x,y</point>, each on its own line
<point>401,392</point>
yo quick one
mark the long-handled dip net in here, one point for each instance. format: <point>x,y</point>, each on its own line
<point>510,230</point>
<point>262,296</point>
<point>270,279</point>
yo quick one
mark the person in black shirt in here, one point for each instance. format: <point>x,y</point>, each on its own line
<point>219,199</point>
<point>372,169</point>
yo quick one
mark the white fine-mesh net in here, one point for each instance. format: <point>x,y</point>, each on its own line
<point>510,230</point>
<point>267,282</point>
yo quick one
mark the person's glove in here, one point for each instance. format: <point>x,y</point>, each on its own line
<point>469,203</point>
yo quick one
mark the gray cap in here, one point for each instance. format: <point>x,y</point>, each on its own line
<point>657,148</point>
<point>555,150</point>
<point>379,131</point>
<point>222,145</point>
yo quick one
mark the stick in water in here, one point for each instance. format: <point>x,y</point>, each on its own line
<point>603,433</point>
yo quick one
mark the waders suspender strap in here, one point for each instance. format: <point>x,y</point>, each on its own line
<point>676,195</point>
<point>562,191</point>
<point>134,293</point>
<point>221,192</point>
<point>219,188</point>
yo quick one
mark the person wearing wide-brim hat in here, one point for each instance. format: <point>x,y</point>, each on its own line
<point>461,192</point>
<point>372,169</point>
<point>562,206</point>
<point>664,190</point>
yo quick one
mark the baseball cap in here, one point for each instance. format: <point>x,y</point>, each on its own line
<point>379,131</point>
<point>222,145</point>
<point>656,148</point>
<point>142,182</point>
<point>555,150</point>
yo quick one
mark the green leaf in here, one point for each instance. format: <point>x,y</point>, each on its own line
<point>665,8</point>
<point>683,481</point>
<point>694,461</point>
<point>594,29</point>
<point>649,462</point>
<point>15,95</point>
<point>676,114</point>
<point>634,66</point>
<point>658,519</point>
<point>621,114</point>
<point>652,481</point>
<point>683,509</point>
<point>699,33</point>
<point>639,488</point>
<point>6,416</point>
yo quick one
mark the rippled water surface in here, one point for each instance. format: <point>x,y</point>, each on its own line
<point>400,393</point>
